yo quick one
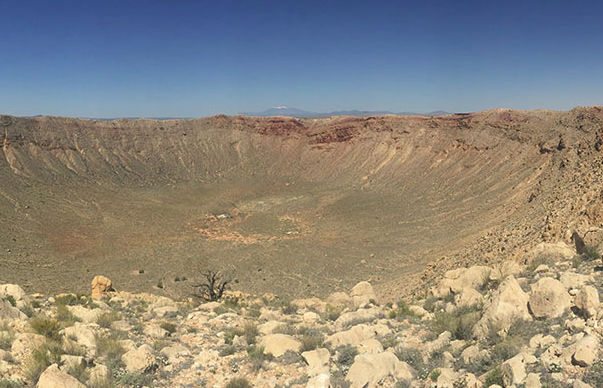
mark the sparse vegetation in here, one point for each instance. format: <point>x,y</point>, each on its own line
<point>402,311</point>
<point>345,355</point>
<point>493,377</point>
<point>169,327</point>
<point>106,319</point>
<point>11,299</point>
<point>47,327</point>
<point>591,253</point>
<point>41,358</point>
<point>239,382</point>
<point>459,322</point>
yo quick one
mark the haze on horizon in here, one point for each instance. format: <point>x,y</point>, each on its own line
<point>191,59</point>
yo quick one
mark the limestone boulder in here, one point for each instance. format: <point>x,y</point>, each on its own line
<point>9,312</point>
<point>99,376</point>
<point>279,344</point>
<point>506,268</point>
<point>52,377</point>
<point>21,299</point>
<point>513,371</point>
<point>356,335</point>
<point>587,301</point>
<point>84,314</point>
<point>24,343</point>
<point>509,304</point>
<point>468,297</point>
<point>574,280</point>
<point>100,287</point>
<point>369,369</point>
<point>362,294</point>
<point>549,298</point>
<point>533,381</point>
<point>455,280</point>
<point>321,381</point>
<point>340,299</point>
<point>317,360</point>
<point>551,251</point>
<point>139,360</point>
<point>585,351</point>
<point>83,334</point>
<point>360,315</point>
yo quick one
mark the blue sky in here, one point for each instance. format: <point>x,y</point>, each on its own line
<point>196,58</point>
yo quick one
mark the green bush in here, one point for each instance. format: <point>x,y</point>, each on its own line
<point>10,384</point>
<point>591,253</point>
<point>459,322</point>
<point>228,350</point>
<point>410,356</point>
<point>332,312</point>
<point>134,380</point>
<point>106,319</point>
<point>433,376</point>
<point>402,311</point>
<point>108,346</point>
<point>49,328</point>
<point>65,316</point>
<point>11,299</point>
<point>7,336</point>
<point>346,355</point>
<point>493,377</point>
<point>168,326</point>
<point>74,300</point>
<point>250,331</point>
<point>256,357</point>
<point>310,342</point>
<point>41,358</point>
<point>239,382</point>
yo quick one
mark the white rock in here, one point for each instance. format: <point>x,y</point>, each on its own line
<point>361,315</point>
<point>549,298</point>
<point>317,360</point>
<point>369,369</point>
<point>83,334</point>
<point>354,336</point>
<point>8,312</point>
<point>509,303</point>
<point>586,350</point>
<point>370,346</point>
<point>573,279</point>
<point>52,377</point>
<point>514,371</point>
<point>311,317</point>
<point>99,375</point>
<point>319,381</point>
<point>362,293</point>
<point>468,297</point>
<point>279,344</point>
<point>587,301</point>
<point>84,314</point>
<point>533,381</point>
<point>559,250</point>
<point>139,360</point>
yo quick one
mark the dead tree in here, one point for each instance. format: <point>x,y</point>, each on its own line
<point>213,288</point>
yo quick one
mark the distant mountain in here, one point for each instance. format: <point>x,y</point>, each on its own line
<point>294,112</point>
<point>282,111</point>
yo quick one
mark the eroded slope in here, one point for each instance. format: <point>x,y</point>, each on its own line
<point>287,205</point>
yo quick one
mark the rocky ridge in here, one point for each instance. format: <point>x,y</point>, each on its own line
<point>534,323</point>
